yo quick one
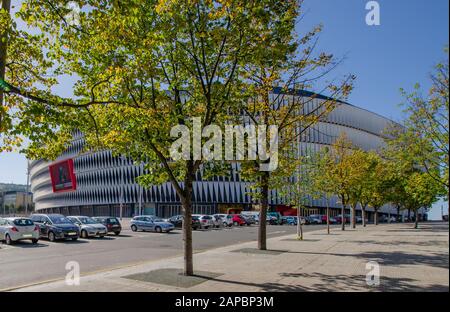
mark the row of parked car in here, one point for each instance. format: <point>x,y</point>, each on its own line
<point>55,227</point>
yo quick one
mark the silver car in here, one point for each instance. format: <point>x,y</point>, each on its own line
<point>150,223</point>
<point>17,229</point>
<point>206,221</point>
<point>89,227</point>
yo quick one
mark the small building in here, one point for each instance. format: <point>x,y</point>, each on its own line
<point>12,202</point>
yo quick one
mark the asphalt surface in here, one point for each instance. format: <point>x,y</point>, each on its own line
<point>26,264</point>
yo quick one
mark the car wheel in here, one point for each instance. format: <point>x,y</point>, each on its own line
<point>116,233</point>
<point>51,236</point>
<point>133,228</point>
<point>34,241</point>
<point>8,240</point>
<point>158,229</point>
<point>84,234</point>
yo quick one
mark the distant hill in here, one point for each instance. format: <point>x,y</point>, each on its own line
<point>6,187</point>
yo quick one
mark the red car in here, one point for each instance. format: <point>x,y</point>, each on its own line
<point>236,220</point>
<point>339,219</point>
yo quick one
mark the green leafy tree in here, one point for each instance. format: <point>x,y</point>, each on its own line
<point>322,183</point>
<point>427,126</point>
<point>289,64</point>
<point>362,166</point>
<point>143,67</point>
<point>340,171</point>
<point>423,190</point>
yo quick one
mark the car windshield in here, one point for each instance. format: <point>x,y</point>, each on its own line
<point>207,217</point>
<point>59,220</point>
<point>87,221</point>
<point>195,217</point>
<point>113,220</point>
<point>23,222</point>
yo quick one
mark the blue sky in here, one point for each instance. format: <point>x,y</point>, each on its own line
<point>397,54</point>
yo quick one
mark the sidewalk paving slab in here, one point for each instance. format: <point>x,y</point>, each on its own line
<point>409,260</point>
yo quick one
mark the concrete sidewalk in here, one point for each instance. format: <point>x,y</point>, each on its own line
<point>409,260</point>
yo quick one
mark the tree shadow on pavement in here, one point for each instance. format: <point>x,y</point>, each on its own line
<point>434,259</point>
<point>430,243</point>
<point>337,283</point>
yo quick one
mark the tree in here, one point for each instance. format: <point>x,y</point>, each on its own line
<point>362,166</point>
<point>22,62</point>
<point>423,190</point>
<point>381,187</point>
<point>142,68</point>
<point>428,123</point>
<point>405,177</point>
<point>321,180</point>
<point>288,65</point>
<point>340,171</point>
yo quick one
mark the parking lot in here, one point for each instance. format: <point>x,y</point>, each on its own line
<point>24,263</point>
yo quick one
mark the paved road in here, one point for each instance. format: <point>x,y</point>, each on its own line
<point>24,263</point>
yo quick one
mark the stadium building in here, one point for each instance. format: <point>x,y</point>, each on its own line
<point>102,184</point>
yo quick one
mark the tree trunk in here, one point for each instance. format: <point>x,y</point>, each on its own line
<point>343,214</point>
<point>363,213</point>
<point>262,231</point>
<point>398,213</point>
<point>353,216</point>
<point>409,214</point>
<point>416,221</point>
<point>186,201</point>
<point>376,216</point>
<point>328,217</point>
<point>299,224</point>
<point>6,5</point>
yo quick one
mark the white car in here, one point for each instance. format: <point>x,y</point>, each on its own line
<point>89,227</point>
<point>206,221</point>
<point>17,229</point>
<point>223,218</point>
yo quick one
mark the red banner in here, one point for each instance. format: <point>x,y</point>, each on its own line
<point>62,176</point>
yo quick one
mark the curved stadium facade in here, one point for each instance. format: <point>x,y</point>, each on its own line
<point>106,183</point>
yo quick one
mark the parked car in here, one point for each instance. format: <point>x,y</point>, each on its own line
<point>89,227</point>
<point>177,221</point>
<point>206,221</point>
<point>314,219</point>
<point>339,218</point>
<point>16,229</point>
<point>275,217</point>
<point>290,220</point>
<point>217,221</point>
<point>112,224</point>
<point>151,224</point>
<point>236,220</point>
<point>249,219</point>
<point>324,219</point>
<point>359,219</point>
<point>55,227</point>
<point>223,219</point>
